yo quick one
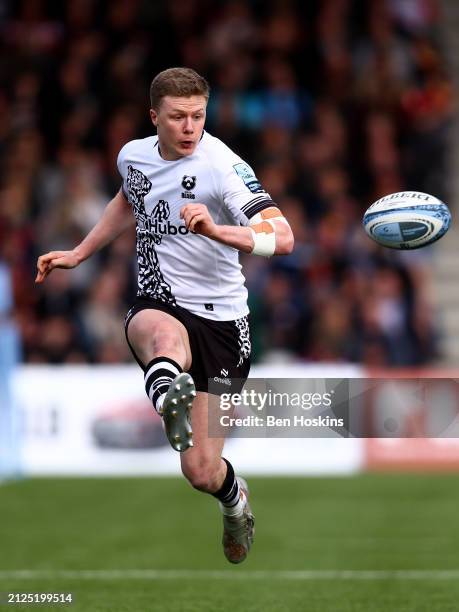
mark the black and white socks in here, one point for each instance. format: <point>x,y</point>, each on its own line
<point>159,374</point>
<point>230,496</point>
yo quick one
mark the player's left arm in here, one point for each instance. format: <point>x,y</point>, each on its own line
<point>269,232</point>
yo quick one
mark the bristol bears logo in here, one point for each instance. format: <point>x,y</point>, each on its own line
<point>188,183</point>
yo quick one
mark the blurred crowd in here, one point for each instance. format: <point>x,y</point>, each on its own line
<point>335,103</point>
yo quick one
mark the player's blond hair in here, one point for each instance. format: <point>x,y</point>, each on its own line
<point>177,82</point>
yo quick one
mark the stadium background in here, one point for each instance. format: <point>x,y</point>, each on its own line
<point>334,103</point>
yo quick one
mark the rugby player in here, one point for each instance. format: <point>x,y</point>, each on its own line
<point>195,204</point>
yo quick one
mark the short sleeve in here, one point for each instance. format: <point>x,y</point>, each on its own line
<point>121,163</point>
<point>242,192</point>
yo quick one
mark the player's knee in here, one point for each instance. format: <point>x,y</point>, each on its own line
<point>165,341</point>
<point>152,335</point>
<point>202,474</point>
<point>155,340</point>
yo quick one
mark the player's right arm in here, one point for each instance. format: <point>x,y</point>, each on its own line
<point>117,218</point>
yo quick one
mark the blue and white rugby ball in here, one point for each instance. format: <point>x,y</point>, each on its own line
<point>407,220</point>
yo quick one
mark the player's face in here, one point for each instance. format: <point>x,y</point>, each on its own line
<point>179,122</point>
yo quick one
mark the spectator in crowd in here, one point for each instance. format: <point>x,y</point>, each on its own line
<point>358,104</point>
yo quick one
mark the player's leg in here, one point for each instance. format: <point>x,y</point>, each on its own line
<point>154,333</point>
<point>161,345</point>
<point>207,471</point>
<point>202,465</point>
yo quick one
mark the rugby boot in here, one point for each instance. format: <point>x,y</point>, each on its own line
<point>175,412</point>
<point>238,531</point>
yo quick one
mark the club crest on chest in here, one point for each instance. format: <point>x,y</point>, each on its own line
<point>188,183</point>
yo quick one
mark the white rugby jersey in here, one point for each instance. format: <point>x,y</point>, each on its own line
<point>176,266</point>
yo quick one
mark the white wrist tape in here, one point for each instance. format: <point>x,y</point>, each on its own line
<point>264,238</point>
<point>263,244</point>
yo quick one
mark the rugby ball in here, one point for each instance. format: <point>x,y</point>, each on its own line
<point>407,220</point>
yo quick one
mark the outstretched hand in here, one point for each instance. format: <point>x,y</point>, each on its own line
<point>55,259</point>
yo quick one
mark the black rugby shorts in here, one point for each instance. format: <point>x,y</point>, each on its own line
<point>220,350</point>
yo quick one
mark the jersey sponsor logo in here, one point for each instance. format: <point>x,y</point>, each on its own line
<point>167,229</point>
<point>159,224</point>
<point>245,172</point>
<point>188,183</point>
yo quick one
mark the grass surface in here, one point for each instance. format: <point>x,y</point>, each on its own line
<point>372,522</point>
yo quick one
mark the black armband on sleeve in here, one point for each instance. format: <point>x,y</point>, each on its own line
<point>256,205</point>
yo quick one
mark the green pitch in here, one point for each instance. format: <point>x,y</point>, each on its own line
<point>309,530</point>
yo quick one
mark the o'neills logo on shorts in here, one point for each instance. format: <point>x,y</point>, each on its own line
<point>225,380</point>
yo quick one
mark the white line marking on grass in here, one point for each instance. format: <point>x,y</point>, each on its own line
<point>163,574</point>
